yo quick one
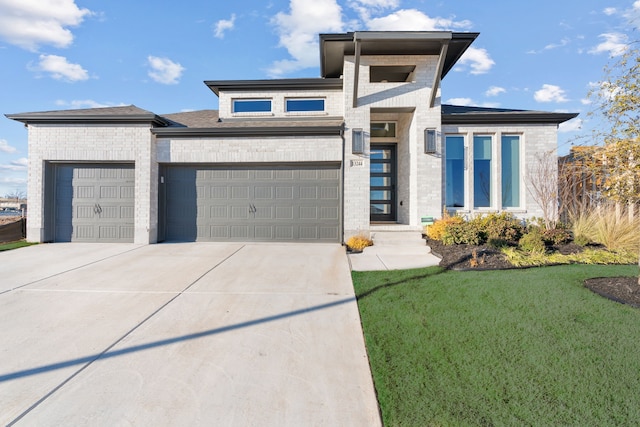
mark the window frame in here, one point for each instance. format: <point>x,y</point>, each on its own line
<point>520,165</point>
<point>465,170</point>
<point>236,101</point>
<point>303,99</point>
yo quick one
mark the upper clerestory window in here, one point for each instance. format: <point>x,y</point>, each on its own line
<point>391,73</point>
<point>304,105</point>
<point>251,105</point>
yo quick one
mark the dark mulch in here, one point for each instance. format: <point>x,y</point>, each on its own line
<point>625,290</point>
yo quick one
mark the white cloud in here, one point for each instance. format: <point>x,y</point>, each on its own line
<point>6,148</point>
<point>223,25</point>
<point>164,70</point>
<point>572,125</point>
<point>31,23</point>
<point>614,43</point>
<point>550,93</point>
<point>478,59</point>
<point>495,91</point>
<point>85,103</point>
<point>366,7</point>
<point>61,69</point>
<point>298,32</point>
<point>585,101</point>
<point>414,20</point>
<point>465,102</point>
<point>610,11</point>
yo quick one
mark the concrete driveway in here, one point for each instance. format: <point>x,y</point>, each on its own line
<point>182,334</point>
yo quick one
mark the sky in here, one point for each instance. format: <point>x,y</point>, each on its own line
<point>65,54</point>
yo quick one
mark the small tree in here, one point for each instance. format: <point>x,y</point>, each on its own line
<point>617,99</point>
<point>542,179</point>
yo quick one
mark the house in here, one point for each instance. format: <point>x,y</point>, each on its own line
<point>313,159</point>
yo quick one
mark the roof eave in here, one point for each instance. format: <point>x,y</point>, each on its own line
<point>35,118</point>
<point>249,132</point>
<point>507,118</point>
<point>276,84</point>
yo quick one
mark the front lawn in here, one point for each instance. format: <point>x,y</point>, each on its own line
<point>14,245</point>
<point>516,347</point>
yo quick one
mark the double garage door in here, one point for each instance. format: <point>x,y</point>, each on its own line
<point>94,203</point>
<point>251,203</point>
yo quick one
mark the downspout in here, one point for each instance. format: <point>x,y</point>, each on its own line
<point>436,79</point>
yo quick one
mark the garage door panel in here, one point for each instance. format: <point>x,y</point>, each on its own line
<point>94,203</point>
<point>246,203</point>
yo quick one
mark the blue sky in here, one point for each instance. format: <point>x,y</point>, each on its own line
<point>63,54</point>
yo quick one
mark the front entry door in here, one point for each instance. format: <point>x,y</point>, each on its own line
<point>383,182</point>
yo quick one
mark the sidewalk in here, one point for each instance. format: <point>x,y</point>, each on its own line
<point>394,250</point>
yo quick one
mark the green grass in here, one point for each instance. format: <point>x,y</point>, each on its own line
<point>518,347</point>
<point>14,245</point>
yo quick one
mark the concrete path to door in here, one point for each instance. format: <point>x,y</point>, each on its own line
<point>182,334</point>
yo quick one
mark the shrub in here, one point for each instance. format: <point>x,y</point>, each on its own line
<point>359,242</point>
<point>532,242</point>
<point>464,233</point>
<point>438,229</point>
<point>556,236</point>
<point>497,243</point>
<point>610,227</point>
<point>502,226</point>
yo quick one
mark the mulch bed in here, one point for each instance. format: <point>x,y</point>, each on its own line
<point>625,290</point>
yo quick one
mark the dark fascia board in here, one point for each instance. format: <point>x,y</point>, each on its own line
<point>38,118</point>
<point>333,47</point>
<point>238,132</point>
<point>276,84</point>
<point>498,118</point>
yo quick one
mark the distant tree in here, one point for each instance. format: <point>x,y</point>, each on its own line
<point>17,195</point>
<point>617,101</point>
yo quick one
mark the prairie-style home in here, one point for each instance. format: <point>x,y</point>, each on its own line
<point>367,144</point>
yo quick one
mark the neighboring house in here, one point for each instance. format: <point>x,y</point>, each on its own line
<point>315,159</point>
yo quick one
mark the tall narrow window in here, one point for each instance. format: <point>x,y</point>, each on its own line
<point>482,171</point>
<point>510,171</point>
<point>454,170</point>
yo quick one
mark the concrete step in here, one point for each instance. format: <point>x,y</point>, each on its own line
<point>397,238</point>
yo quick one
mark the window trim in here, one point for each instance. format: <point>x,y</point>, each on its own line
<point>247,100</point>
<point>521,177</point>
<point>305,112</point>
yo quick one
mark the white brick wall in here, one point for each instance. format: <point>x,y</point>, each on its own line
<point>419,175</point>
<point>87,143</point>
<point>534,139</point>
<point>333,102</point>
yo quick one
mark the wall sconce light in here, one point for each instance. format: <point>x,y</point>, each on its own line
<point>432,141</point>
<point>357,141</point>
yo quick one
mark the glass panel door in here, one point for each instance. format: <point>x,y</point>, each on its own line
<point>382,178</point>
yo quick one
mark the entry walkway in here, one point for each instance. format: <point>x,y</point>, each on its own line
<point>394,250</point>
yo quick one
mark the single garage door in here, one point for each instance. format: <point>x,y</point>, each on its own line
<point>94,203</point>
<point>252,203</point>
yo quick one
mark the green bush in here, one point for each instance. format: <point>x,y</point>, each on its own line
<point>466,233</point>
<point>556,236</point>
<point>502,226</point>
<point>532,242</point>
<point>497,243</point>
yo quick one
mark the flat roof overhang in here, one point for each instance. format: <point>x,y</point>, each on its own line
<point>334,47</point>
<point>249,132</point>
<point>278,84</point>
<point>505,118</point>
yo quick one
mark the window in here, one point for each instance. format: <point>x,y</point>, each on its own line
<point>296,105</point>
<point>251,105</point>
<point>454,170</point>
<point>383,130</point>
<point>510,171</point>
<point>391,73</point>
<point>482,171</point>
